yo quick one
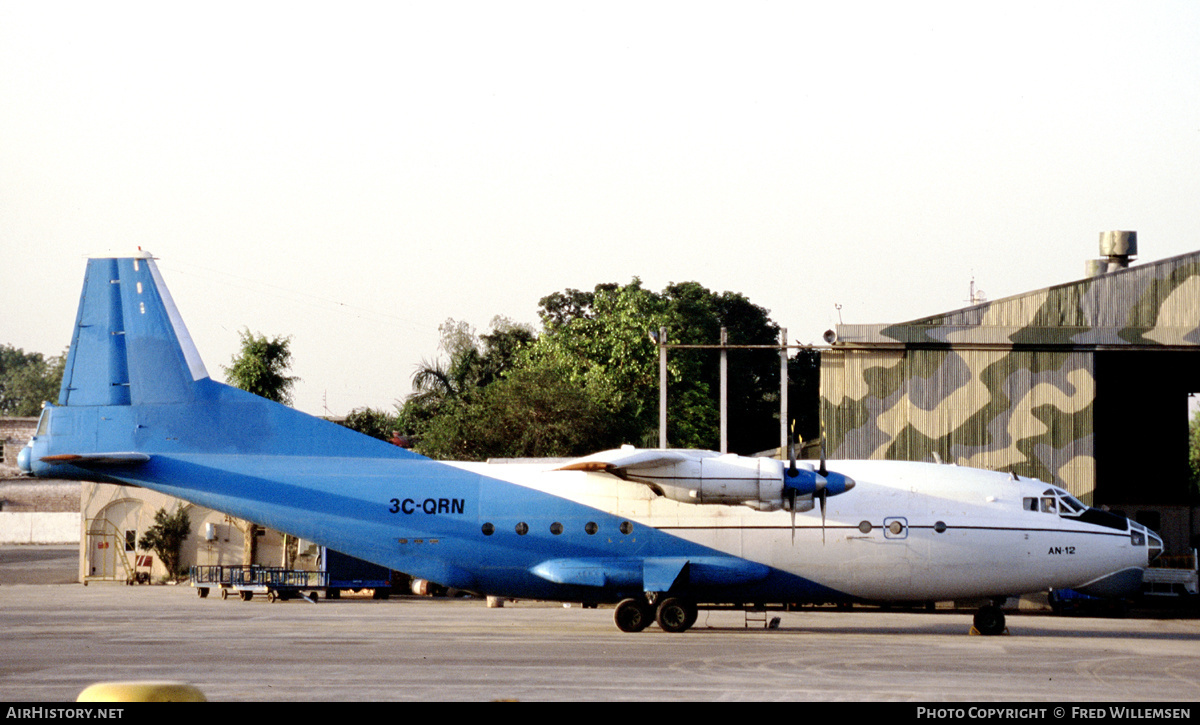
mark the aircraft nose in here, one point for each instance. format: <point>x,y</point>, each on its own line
<point>1139,535</point>
<point>1154,546</point>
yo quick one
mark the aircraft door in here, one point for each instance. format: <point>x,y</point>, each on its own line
<point>887,553</point>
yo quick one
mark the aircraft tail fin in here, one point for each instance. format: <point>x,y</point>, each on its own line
<point>134,388</point>
<point>130,346</point>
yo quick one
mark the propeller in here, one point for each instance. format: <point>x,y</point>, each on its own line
<point>820,484</point>
<point>792,472</point>
<point>822,492</point>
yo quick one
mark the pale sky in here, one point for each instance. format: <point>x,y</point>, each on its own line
<point>352,174</point>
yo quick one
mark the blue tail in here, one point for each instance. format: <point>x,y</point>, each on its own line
<point>134,386</point>
<point>130,346</point>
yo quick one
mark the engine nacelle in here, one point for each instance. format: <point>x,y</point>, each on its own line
<point>706,477</point>
<point>722,479</point>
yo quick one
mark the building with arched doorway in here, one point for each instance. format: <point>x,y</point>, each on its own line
<point>114,518</point>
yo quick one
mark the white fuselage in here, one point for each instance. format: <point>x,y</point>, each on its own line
<point>906,532</point>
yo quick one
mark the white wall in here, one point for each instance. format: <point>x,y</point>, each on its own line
<point>31,527</point>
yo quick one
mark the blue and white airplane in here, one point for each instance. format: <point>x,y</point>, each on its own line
<point>659,533</point>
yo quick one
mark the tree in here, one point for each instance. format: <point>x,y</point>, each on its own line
<point>441,388</point>
<point>590,380</point>
<point>166,536</point>
<point>375,423</point>
<point>1194,456</point>
<point>261,367</point>
<point>27,380</point>
<point>600,340</point>
<point>532,412</point>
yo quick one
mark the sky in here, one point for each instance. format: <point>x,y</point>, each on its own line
<point>352,175</point>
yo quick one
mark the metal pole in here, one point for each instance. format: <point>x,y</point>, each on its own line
<point>724,392</point>
<point>783,385</point>
<point>662,387</point>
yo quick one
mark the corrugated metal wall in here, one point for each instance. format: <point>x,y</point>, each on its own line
<point>1028,412</point>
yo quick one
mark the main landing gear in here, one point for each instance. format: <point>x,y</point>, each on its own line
<point>673,614</point>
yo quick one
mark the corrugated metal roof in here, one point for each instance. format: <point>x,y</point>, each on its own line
<point>1153,305</point>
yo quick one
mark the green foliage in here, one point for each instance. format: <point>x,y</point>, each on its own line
<point>533,412</point>
<point>27,380</point>
<point>590,381</point>
<point>1194,456</point>
<point>375,423</point>
<point>166,536</point>
<point>261,367</point>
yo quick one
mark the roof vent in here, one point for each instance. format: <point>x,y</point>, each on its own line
<point>1117,249</point>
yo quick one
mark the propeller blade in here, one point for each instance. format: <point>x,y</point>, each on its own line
<point>792,472</point>
<point>823,470</point>
<point>792,451</point>
<point>822,494</point>
<point>792,504</point>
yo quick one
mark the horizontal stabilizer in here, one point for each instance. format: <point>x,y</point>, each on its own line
<point>97,459</point>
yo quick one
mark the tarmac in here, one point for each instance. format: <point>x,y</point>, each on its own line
<point>57,639</point>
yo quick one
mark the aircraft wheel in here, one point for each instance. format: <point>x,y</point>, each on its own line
<point>675,614</point>
<point>246,595</point>
<point>989,620</point>
<point>202,592</point>
<point>632,615</point>
<point>224,593</point>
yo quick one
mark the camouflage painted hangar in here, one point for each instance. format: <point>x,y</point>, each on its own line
<point>1083,384</point>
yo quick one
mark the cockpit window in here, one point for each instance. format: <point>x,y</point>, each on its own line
<point>44,422</point>
<point>1054,501</point>
<point>1068,505</point>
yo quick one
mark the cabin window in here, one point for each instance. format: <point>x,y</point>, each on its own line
<point>940,527</point>
<point>1030,503</point>
<point>556,528</point>
<point>522,528</point>
<point>1049,505</point>
<point>488,529</point>
<point>626,527</point>
<point>591,528</point>
<point>865,527</point>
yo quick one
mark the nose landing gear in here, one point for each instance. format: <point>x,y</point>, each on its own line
<point>989,620</point>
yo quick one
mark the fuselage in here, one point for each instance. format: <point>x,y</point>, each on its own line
<point>907,532</point>
<point>678,528</point>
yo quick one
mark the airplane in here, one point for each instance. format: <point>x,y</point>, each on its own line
<point>660,534</point>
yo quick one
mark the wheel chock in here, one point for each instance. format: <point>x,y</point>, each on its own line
<point>974,631</point>
<point>149,691</point>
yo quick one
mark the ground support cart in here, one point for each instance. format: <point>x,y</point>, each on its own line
<point>274,582</point>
